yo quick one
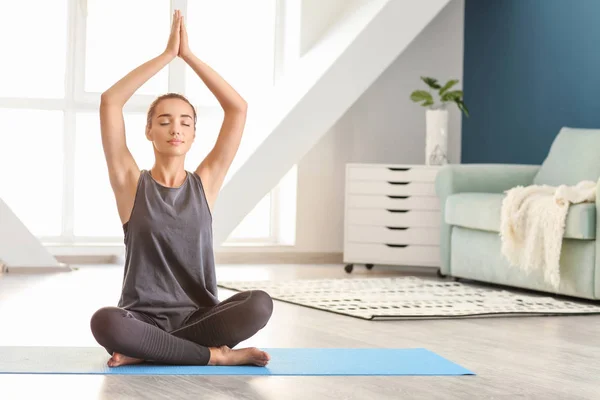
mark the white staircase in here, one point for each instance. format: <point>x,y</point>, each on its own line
<point>312,97</point>
<point>20,250</point>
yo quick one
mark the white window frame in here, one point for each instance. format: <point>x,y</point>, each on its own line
<point>77,100</point>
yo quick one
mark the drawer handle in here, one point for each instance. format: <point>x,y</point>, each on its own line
<point>397,228</point>
<point>397,183</point>
<point>398,169</point>
<point>396,245</point>
<point>397,197</point>
<point>397,211</point>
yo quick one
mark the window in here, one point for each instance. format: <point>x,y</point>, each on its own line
<point>60,187</point>
<point>32,169</point>
<point>244,53</point>
<point>111,53</point>
<point>256,226</point>
<point>21,75</point>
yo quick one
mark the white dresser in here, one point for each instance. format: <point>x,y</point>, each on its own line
<point>391,215</point>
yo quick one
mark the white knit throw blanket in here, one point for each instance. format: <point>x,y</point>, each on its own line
<point>533,224</point>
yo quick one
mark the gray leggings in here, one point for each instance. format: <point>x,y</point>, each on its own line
<point>226,324</point>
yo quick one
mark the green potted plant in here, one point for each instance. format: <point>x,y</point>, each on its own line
<point>436,116</point>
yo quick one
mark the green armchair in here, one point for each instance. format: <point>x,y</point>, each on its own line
<point>471,199</point>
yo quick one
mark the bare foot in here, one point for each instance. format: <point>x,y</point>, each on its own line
<point>249,356</point>
<point>119,359</point>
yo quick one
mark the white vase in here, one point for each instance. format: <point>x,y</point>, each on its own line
<point>436,141</point>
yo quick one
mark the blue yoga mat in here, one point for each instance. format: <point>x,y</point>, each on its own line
<point>284,361</point>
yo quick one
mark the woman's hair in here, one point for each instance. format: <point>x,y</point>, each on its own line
<point>164,97</point>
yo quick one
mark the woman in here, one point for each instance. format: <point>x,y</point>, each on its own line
<point>168,311</point>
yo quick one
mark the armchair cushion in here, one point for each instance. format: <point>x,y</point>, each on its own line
<point>485,178</point>
<point>482,211</point>
<point>572,158</point>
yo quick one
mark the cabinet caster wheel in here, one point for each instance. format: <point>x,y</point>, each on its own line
<point>348,268</point>
<point>369,266</point>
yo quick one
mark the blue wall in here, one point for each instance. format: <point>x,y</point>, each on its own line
<point>530,67</point>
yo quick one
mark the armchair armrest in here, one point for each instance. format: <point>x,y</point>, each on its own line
<point>486,178</point>
<point>597,267</point>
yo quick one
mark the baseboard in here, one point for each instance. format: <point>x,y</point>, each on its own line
<point>87,259</point>
<point>287,257</point>
<point>226,257</point>
<point>36,270</point>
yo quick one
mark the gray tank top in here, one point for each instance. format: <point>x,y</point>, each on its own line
<point>169,260</point>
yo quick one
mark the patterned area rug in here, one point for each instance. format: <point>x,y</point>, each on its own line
<point>411,298</point>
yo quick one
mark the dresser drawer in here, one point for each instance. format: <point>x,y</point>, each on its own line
<point>392,173</point>
<point>383,235</point>
<point>393,202</point>
<point>393,218</point>
<point>391,188</point>
<point>389,255</point>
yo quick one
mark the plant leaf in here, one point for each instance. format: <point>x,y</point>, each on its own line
<point>422,95</point>
<point>448,85</point>
<point>462,107</point>
<point>452,96</point>
<point>431,82</point>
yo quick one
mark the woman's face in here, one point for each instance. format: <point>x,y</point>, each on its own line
<point>172,130</point>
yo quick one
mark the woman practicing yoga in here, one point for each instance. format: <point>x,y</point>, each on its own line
<point>169,311</point>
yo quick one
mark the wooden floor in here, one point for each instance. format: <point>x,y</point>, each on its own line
<point>514,358</point>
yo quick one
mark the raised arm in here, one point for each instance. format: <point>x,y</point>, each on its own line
<point>213,169</point>
<point>122,168</point>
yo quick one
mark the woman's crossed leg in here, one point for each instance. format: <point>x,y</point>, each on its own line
<point>206,338</point>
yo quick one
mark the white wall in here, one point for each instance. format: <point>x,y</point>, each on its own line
<point>383,126</point>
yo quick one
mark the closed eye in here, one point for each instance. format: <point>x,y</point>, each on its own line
<point>166,123</point>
